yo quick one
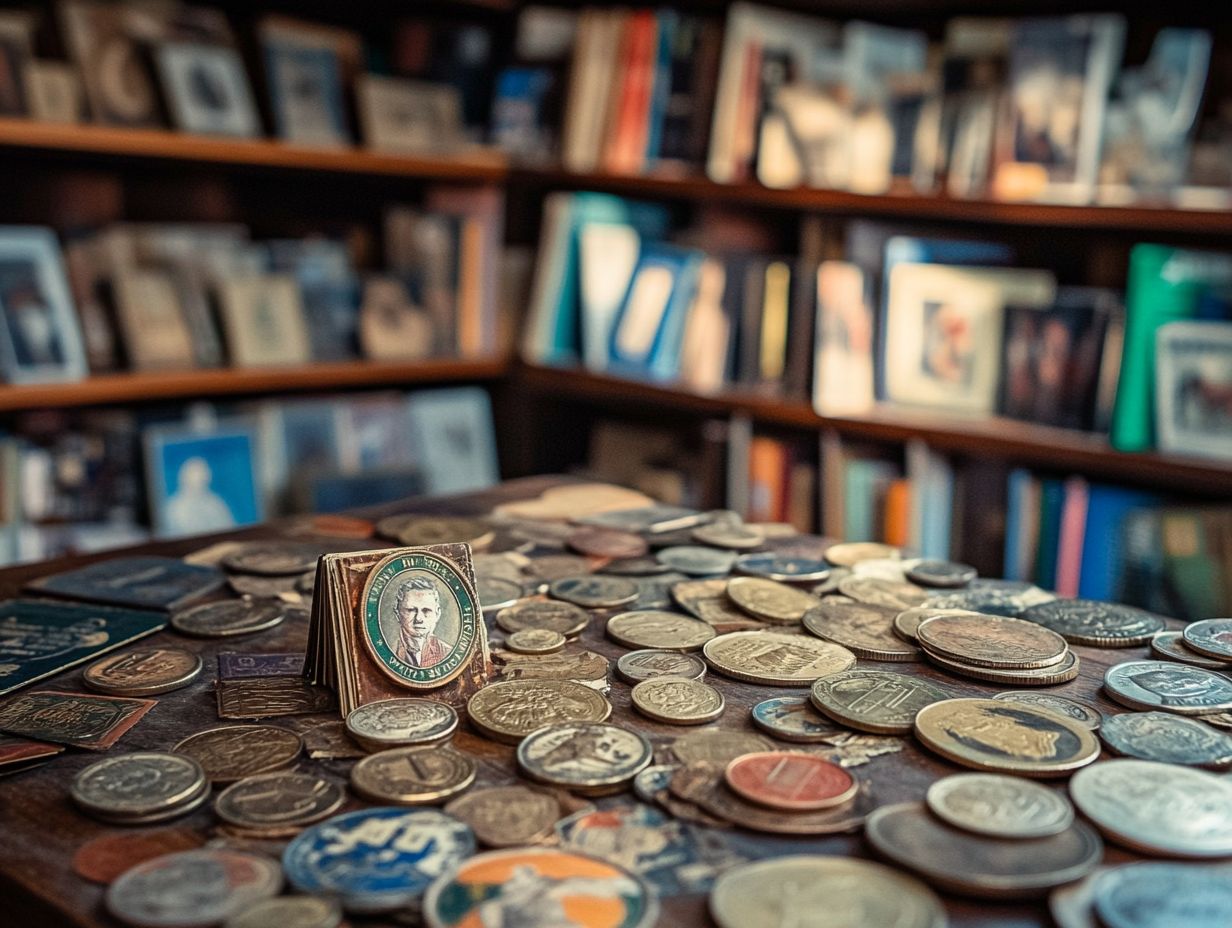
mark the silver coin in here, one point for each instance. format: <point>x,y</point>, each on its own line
<point>140,785</point>
<point>1164,895</point>
<point>644,566</point>
<point>696,560</point>
<point>495,593</point>
<point>1095,623</point>
<point>192,888</point>
<point>1210,638</point>
<point>1171,646</point>
<point>998,805</point>
<point>723,534</point>
<point>272,559</point>
<point>227,618</point>
<point>289,912</point>
<point>594,592</point>
<point>562,617</point>
<point>1167,738</point>
<point>941,574</point>
<point>1085,715</point>
<point>282,802</point>
<point>656,592</point>
<point>399,722</point>
<point>793,718</point>
<point>636,666</point>
<point>782,567</point>
<point>998,597</point>
<point>1172,687</point>
<point>260,587</point>
<point>587,755</point>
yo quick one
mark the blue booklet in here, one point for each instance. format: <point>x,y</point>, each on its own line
<point>149,582</point>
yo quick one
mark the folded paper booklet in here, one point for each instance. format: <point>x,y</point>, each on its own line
<point>397,622</point>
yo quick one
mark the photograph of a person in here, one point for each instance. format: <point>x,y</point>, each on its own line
<point>417,635</point>
<point>201,482</point>
<point>40,340</point>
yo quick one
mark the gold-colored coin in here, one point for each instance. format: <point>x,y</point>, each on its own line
<point>413,776</point>
<point>678,700</point>
<point>864,629</point>
<point>770,600</point>
<point>774,658</point>
<point>848,554</point>
<point>992,641</point>
<point>535,641</point>
<point>878,591</point>
<point>444,530</point>
<point>907,621</point>
<point>233,752</point>
<point>510,710</point>
<point>707,600</point>
<point>986,734</point>
<point>654,628</point>
<point>716,746</point>
<point>143,671</point>
<point>506,816</point>
<point>1042,676</point>
<point>877,701</point>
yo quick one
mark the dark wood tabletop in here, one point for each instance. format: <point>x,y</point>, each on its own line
<point>40,829</point>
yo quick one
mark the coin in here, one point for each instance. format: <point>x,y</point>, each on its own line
<point>506,816</point>
<point>1099,624</point>
<point>644,566</point>
<point>401,722</point>
<point>793,718</point>
<point>1168,686</point>
<point>594,591</point>
<point>1006,738</point>
<point>1157,808</point>
<point>188,888</point>
<point>260,587</point>
<point>1070,906</point>
<point>865,630</point>
<point>1043,676</point>
<point>233,752</point>
<point>851,553</point>
<point>143,671</point>
<point>495,593</point>
<point>1170,739</point>
<point>775,659</point>
<point>999,806</point>
<point>565,618</point>
<point>654,628</point>
<point>1085,715</point>
<point>510,710</point>
<point>636,666</point>
<point>978,865</point>
<point>793,782</point>
<point>770,600</point>
<point>413,776</point>
<point>289,912</point>
<point>907,622</point>
<point>273,559</point>
<point>100,860</point>
<point>727,534</point>
<point>535,641</point>
<point>1210,638</point>
<point>876,701</point>
<point>879,592</point>
<point>590,757</point>
<point>441,530</point>
<point>606,542</point>
<point>997,597</point>
<point>678,700</point>
<point>1171,646</point>
<point>226,618</point>
<point>1162,895</point>
<point>708,601</point>
<point>715,746</point>
<point>278,803</point>
<point>838,891</point>
<point>140,787</point>
<point>941,574</point>
<point>552,567</point>
<point>782,567</point>
<point>992,641</point>
<point>696,560</point>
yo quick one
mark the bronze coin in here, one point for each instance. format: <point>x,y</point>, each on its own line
<point>507,816</point>
<point>413,776</point>
<point>143,671</point>
<point>103,859</point>
<point>233,752</point>
<point>278,803</point>
<point>791,781</point>
<point>992,641</point>
<point>1041,676</point>
<point>333,525</point>
<point>606,542</point>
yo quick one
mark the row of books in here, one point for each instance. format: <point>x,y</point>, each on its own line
<point>100,479</point>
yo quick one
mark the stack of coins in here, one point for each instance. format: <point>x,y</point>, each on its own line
<point>996,649</point>
<point>140,787</point>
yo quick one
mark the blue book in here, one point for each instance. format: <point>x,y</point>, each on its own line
<point>667,23</point>
<point>1015,510</point>
<point>1052,499</point>
<point>649,328</point>
<point>1103,555</point>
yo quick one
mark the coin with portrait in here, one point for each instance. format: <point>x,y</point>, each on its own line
<point>1211,638</point>
<point>1169,686</point>
<point>1167,738</point>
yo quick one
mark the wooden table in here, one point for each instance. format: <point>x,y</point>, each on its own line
<point>40,828</point>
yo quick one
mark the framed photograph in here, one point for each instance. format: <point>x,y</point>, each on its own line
<point>201,482</point>
<point>154,330</point>
<point>453,439</point>
<point>207,90</point>
<point>119,84</point>
<point>391,326</point>
<point>305,83</point>
<point>40,340</point>
<point>400,115</point>
<point>264,321</point>
<point>1193,388</point>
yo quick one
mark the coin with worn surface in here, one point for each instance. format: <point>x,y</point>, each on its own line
<point>793,718</point>
<point>907,622</point>
<point>707,600</point>
<point>876,701</point>
<point>497,593</point>
<point>644,566</point>
<point>226,618</point>
<point>444,530</point>
<point>979,865</point>
<point>192,888</point>
<point>401,722</point>
<point>836,892</point>
<point>144,786</point>
<point>535,641</point>
<point>1170,739</point>
<point>552,567</point>
<point>1085,715</point>
<point>280,802</point>
<point>565,618</point>
<point>413,776</point>
<point>716,746</point>
<point>1164,895</point>
<point>729,534</point>
<point>1062,672</point>
<point>594,591</point>
<point>1168,686</point>
<point>606,542</point>
<point>1157,808</point>
<point>510,710</point>
<point>1210,638</point>
<point>864,629</point>
<point>785,568</point>
<point>506,816</point>
<point>941,574</point>
<point>992,641</point>
<point>376,860</point>
<point>1095,623</point>
<point>143,671</point>
<point>1071,906</point>
<point>100,860</point>
<point>289,912</point>
<point>999,806</point>
<point>1005,738</point>
<point>273,559</point>
<point>775,659</point>
<point>1171,646</point>
<point>233,752</point>
<point>848,554</point>
<point>589,757</point>
<point>678,700</point>
<point>659,630</point>
<point>791,781</point>
<point>696,560</point>
<point>636,666</point>
<point>998,597</point>
<point>770,600</point>
<point>877,591</point>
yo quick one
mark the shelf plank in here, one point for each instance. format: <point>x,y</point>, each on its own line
<point>171,385</point>
<point>1015,441</point>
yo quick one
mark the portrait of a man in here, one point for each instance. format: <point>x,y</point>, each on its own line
<point>417,608</point>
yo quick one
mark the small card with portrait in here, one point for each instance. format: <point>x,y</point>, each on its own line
<point>397,622</point>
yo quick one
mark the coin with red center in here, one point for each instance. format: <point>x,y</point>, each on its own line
<point>790,781</point>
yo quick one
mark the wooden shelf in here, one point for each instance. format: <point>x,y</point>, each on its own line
<point>1010,439</point>
<point>154,387</point>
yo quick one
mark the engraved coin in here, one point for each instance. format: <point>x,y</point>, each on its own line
<point>848,554</point>
<point>728,534</point>
<point>999,806</point>
<point>1163,895</point>
<point>496,593</point>
<point>1168,686</point>
<point>992,641</point>
<point>678,700</point>
<point>1171,646</point>
<point>636,666</point>
<point>696,560</point>
<point>192,888</point>
<point>876,701</point>
<point>1157,808</point>
<point>707,600</point>
<point>1005,738</point>
<point>594,591</point>
<point>606,542</point>
<point>839,892</point>
<point>278,803</point>
<point>793,718</point>
<point>1063,672</point>
<point>273,559</point>
<point>715,746</point>
<point>775,659</point>
<point>995,597</point>
<point>510,710</point>
<point>790,781</point>
<point>289,912</point>
<point>1210,638</point>
<point>979,865</point>
<point>664,631</point>
<point>266,587</point>
<point>143,671</point>
<point>442,530</point>
<point>907,622</point>
<point>941,574</point>
<point>506,816</point>
<point>1099,624</point>
<point>1085,715</point>
<point>565,618</point>
<point>413,776</point>
<point>535,641</point>
<point>401,722</point>
<point>141,787</point>
<point>233,752</point>
<point>879,592</point>
<point>1170,739</point>
<point>782,567</point>
<point>227,618</point>
<point>864,629</point>
<point>587,757</point>
<point>770,600</point>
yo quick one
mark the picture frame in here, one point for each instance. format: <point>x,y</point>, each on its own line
<point>391,326</point>
<point>263,319</point>
<point>306,90</point>
<point>119,83</point>
<point>1193,388</point>
<point>40,340</point>
<point>453,437</point>
<point>207,89</point>
<point>153,328</point>
<point>201,482</point>
<point>405,116</point>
